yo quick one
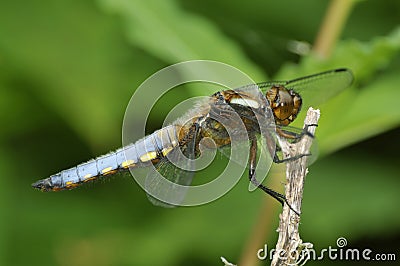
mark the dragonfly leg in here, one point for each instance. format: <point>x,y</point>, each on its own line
<point>293,136</point>
<point>308,133</point>
<point>252,176</point>
<point>276,159</point>
<point>287,134</point>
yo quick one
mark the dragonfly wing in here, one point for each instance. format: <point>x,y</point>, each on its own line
<point>168,181</point>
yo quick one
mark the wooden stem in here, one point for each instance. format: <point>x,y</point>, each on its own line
<point>289,246</point>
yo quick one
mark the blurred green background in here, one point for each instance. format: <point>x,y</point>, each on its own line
<point>69,68</point>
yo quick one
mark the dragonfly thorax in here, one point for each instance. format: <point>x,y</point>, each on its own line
<point>285,104</point>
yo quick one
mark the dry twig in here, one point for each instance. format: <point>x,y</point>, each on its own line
<point>289,245</point>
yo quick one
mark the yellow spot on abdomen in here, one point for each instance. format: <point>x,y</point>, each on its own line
<point>87,176</point>
<point>106,170</point>
<point>167,150</point>
<point>148,156</point>
<point>70,185</point>
<point>128,163</point>
<point>90,178</point>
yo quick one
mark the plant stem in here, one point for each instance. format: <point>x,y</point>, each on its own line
<point>289,241</point>
<point>332,26</point>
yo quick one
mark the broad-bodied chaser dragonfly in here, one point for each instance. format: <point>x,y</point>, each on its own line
<point>283,99</point>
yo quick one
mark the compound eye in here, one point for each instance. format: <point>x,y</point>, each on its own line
<point>297,102</point>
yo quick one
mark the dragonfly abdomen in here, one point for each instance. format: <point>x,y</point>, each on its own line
<point>146,151</point>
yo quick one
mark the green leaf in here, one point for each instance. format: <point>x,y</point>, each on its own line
<point>79,69</point>
<point>174,36</point>
<point>367,112</point>
<point>351,196</point>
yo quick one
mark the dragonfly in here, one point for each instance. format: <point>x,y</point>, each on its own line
<point>249,113</point>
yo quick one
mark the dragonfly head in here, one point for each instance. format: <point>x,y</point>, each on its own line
<point>285,104</point>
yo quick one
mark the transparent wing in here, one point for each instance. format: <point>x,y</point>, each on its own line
<point>162,183</point>
<point>167,183</point>
<point>314,89</point>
